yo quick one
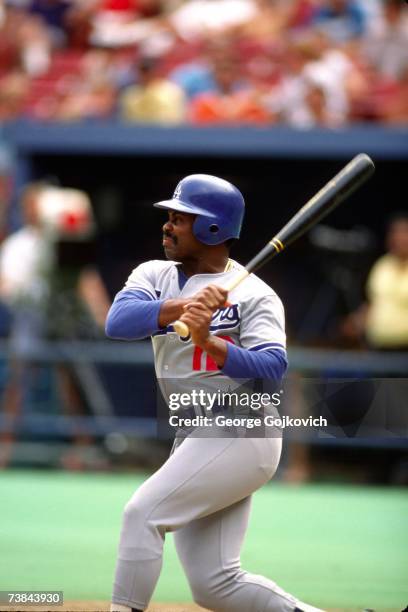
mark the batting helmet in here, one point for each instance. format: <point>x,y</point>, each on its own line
<point>219,207</point>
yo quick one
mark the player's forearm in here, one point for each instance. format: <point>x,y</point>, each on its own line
<point>171,310</point>
<point>243,363</point>
<point>217,349</point>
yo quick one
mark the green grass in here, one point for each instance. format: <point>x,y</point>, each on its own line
<point>335,546</point>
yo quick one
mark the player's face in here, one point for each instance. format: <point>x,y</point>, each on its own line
<point>179,241</point>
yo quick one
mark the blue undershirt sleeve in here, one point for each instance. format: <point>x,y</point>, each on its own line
<point>242,363</point>
<point>133,315</point>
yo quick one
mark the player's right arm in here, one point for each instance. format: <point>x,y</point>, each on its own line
<point>134,316</point>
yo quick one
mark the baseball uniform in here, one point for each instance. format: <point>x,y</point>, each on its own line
<point>203,491</point>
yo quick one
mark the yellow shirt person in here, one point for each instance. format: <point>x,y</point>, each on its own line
<point>387,316</point>
<point>386,324</point>
<point>153,99</point>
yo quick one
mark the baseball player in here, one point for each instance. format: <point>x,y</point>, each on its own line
<point>203,491</point>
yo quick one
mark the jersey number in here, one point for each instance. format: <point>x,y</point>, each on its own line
<point>210,364</point>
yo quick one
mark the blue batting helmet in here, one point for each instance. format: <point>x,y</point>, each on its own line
<point>219,207</point>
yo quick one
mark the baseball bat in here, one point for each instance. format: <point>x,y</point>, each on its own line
<point>341,186</point>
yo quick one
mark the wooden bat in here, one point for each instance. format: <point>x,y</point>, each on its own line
<point>341,186</point>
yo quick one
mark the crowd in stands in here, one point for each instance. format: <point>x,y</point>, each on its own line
<point>261,62</point>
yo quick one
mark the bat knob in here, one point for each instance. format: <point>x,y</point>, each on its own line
<point>181,328</point>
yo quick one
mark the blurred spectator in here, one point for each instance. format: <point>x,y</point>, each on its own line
<point>316,106</point>
<point>232,101</point>
<point>209,74</point>
<point>201,19</point>
<point>373,11</point>
<point>381,99</point>
<point>78,23</point>
<point>153,98</point>
<point>268,24</point>
<point>386,48</point>
<point>14,89</point>
<point>45,301</point>
<point>24,42</point>
<point>25,261</point>
<point>331,69</point>
<point>286,100</point>
<point>396,110</point>
<point>316,75</point>
<point>9,48</point>
<point>109,25</point>
<point>386,324</point>
<point>124,23</point>
<point>383,320</point>
<point>93,100</point>
<point>53,13</point>
<point>341,20</point>
<point>92,95</point>
<point>35,46</point>
<point>25,258</point>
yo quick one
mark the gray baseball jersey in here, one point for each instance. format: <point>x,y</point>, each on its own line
<point>203,491</point>
<point>254,319</point>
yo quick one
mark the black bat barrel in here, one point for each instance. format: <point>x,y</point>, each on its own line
<point>350,178</point>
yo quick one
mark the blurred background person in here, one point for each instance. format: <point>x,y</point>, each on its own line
<point>47,300</point>
<point>383,320</point>
<point>200,19</point>
<point>341,20</point>
<point>396,110</point>
<point>198,76</point>
<point>14,88</point>
<point>53,14</point>
<point>317,108</point>
<point>313,87</point>
<point>91,94</point>
<point>386,45</point>
<point>25,264</point>
<point>386,325</point>
<point>230,100</point>
<point>153,98</point>
<point>268,24</point>
<point>26,260</point>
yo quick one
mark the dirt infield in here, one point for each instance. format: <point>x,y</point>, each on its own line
<point>102,606</point>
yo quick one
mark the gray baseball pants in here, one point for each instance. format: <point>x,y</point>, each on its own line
<point>203,494</point>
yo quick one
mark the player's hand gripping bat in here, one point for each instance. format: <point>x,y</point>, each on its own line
<point>352,176</point>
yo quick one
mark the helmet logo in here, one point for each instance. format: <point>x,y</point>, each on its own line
<point>177,191</point>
